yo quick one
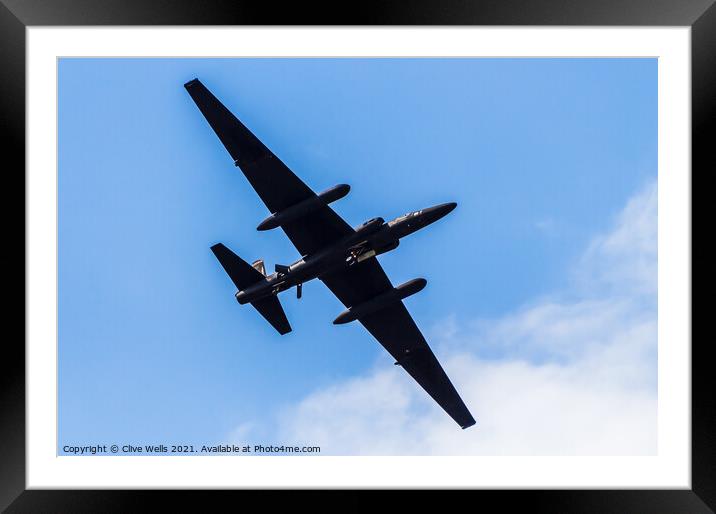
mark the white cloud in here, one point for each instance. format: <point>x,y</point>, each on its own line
<point>240,434</point>
<point>559,377</point>
<point>624,261</point>
<point>547,226</point>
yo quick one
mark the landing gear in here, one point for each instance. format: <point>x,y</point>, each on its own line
<point>357,255</point>
<point>299,290</point>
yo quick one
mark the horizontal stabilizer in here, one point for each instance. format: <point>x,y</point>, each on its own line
<point>242,274</point>
<point>270,308</point>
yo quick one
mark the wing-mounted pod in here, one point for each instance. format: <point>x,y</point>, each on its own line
<point>306,206</point>
<point>381,301</point>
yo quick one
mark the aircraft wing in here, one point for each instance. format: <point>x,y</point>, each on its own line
<point>395,329</point>
<point>275,183</point>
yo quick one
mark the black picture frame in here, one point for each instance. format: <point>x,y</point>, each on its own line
<point>16,15</point>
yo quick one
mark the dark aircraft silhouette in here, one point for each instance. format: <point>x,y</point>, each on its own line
<point>340,256</point>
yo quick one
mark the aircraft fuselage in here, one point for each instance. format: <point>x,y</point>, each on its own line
<point>372,238</point>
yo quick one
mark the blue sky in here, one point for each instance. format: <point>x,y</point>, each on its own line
<point>541,155</point>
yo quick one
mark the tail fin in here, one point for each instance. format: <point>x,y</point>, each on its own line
<point>270,308</point>
<point>259,265</point>
<point>243,274</point>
